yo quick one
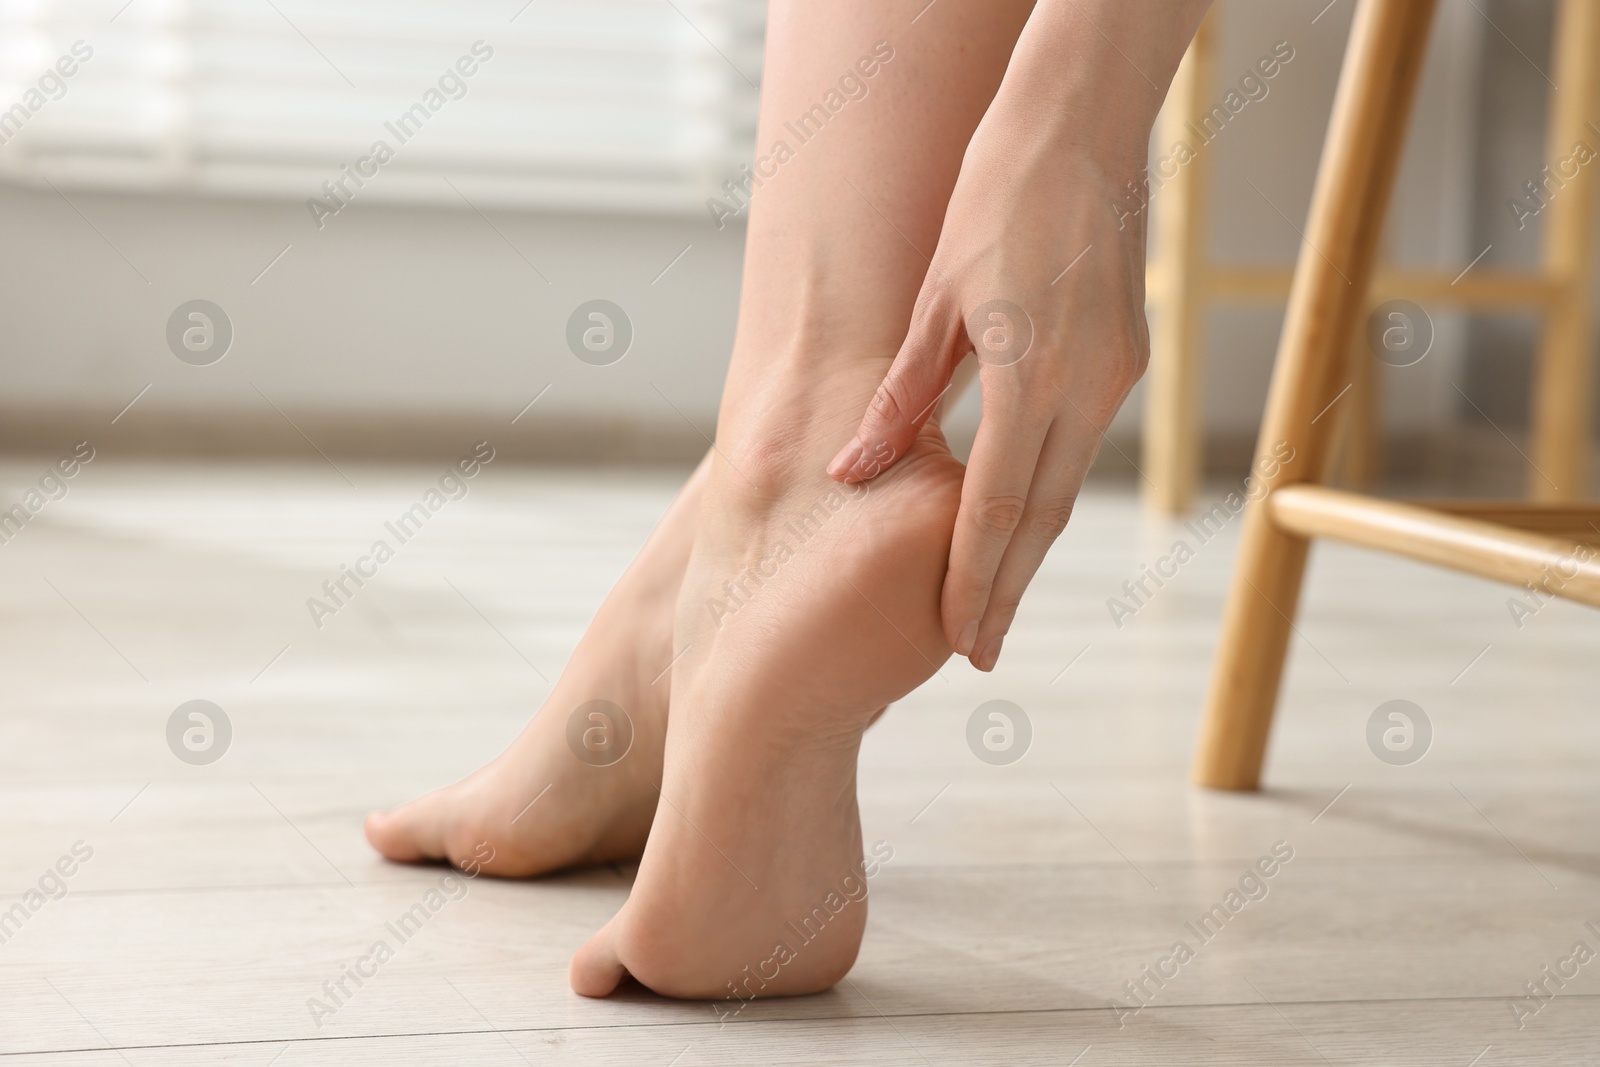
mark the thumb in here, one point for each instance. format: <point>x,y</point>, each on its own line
<point>934,346</point>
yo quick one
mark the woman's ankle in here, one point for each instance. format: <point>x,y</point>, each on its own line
<point>788,406</point>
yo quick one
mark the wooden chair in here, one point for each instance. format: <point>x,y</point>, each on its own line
<point>1183,283</point>
<point>1513,542</point>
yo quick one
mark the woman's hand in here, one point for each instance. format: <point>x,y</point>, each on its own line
<point>1034,277</point>
<point>1039,272</point>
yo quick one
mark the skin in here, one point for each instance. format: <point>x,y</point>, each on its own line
<point>967,173</point>
<point>1065,134</point>
<point>759,823</point>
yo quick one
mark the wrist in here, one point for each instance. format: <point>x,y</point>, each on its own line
<point>1090,76</point>
<point>1026,129</point>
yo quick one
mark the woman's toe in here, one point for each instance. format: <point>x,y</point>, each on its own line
<point>410,832</point>
<point>596,970</point>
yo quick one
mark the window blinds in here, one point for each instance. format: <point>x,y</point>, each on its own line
<point>634,105</point>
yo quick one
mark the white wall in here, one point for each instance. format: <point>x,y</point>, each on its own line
<point>427,313</point>
<point>431,314</point>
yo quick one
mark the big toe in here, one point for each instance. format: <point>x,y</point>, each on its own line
<point>410,832</point>
<point>596,969</point>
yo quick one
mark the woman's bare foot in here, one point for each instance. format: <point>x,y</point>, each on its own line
<point>539,805</point>
<point>807,607</point>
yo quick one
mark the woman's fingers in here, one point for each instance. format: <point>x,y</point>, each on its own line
<point>919,376</point>
<point>1069,449</point>
<point>994,499</point>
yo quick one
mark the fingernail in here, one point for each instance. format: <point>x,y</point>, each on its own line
<point>846,459</point>
<point>968,637</point>
<point>991,654</point>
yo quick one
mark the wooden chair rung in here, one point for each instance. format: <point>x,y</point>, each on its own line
<point>1480,289</point>
<point>1576,522</point>
<point>1462,540</point>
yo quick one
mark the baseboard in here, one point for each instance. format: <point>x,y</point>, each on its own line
<point>1463,460</point>
<point>536,437</point>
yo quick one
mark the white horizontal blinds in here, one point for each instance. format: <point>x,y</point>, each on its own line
<point>610,104</point>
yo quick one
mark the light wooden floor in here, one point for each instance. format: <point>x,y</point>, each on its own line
<point>1020,899</point>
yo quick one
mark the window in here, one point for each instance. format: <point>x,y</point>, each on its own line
<point>633,105</point>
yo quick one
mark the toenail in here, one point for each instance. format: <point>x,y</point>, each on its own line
<point>968,636</point>
<point>991,654</point>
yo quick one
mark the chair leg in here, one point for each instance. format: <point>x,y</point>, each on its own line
<point>1359,160</point>
<point>1174,396</point>
<point>1564,379</point>
<point>1361,454</point>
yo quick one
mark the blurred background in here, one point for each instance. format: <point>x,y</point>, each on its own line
<point>184,160</point>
